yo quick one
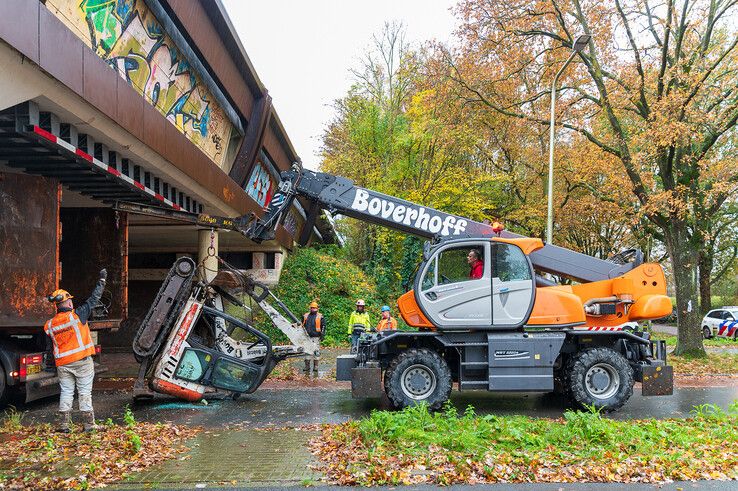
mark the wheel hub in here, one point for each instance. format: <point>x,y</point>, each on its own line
<point>602,381</point>
<point>418,382</point>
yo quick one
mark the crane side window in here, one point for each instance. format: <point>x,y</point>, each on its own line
<point>509,263</point>
<point>453,265</point>
<point>429,280</point>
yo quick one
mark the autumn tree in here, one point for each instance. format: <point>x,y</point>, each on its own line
<point>656,88</point>
<point>389,134</point>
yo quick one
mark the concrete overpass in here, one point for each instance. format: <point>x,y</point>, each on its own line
<point>150,101</point>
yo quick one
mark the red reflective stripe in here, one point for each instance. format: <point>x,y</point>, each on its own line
<point>159,196</point>
<point>44,133</point>
<point>176,206</point>
<point>113,171</point>
<point>84,155</point>
<point>138,185</point>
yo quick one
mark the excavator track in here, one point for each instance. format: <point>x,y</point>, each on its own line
<point>166,307</point>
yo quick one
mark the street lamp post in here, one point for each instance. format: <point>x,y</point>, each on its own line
<point>579,44</point>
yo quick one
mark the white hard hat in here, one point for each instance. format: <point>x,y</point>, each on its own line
<point>360,302</point>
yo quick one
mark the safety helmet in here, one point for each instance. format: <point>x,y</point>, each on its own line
<point>385,308</point>
<point>58,296</point>
<point>313,305</point>
<point>360,303</point>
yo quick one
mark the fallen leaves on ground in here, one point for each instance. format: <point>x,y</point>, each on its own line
<point>36,457</point>
<point>442,449</point>
<point>712,364</point>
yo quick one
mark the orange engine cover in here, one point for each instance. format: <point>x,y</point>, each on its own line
<point>410,311</point>
<point>556,306</point>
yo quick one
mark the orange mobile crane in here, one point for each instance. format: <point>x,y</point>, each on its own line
<point>510,329</point>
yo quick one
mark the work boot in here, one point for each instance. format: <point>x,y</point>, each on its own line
<point>307,366</point>
<point>65,422</point>
<point>88,420</point>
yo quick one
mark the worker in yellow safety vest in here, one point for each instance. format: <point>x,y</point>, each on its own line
<point>314,325</point>
<point>358,323</point>
<point>73,350</point>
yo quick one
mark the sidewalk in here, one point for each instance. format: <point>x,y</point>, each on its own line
<point>229,457</point>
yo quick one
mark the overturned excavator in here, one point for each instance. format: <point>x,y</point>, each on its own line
<point>512,329</point>
<point>195,340</point>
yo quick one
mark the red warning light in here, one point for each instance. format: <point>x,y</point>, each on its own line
<point>497,227</point>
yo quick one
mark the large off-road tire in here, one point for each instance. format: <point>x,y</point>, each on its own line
<point>599,377</point>
<point>418,376</point>
<point>706,332</point>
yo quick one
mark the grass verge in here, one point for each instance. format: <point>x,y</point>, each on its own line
<point>415,446</point>
<point>36,457</point>
<point>715,342</point>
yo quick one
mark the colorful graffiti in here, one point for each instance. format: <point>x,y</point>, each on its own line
<point>260,185</point>
<point>130,39</point>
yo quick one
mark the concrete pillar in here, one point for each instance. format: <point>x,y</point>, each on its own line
<point>206,255</point>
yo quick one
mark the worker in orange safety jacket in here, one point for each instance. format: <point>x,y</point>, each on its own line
<point>387,322</point>
<point>314,325</point>
<point>73,350</point>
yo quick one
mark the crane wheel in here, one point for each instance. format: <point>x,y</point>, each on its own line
<point>418,376</point>
<point>599,377</point>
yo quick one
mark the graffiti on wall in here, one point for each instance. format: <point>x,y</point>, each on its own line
<point>260,185</point>
<point>130,39</point>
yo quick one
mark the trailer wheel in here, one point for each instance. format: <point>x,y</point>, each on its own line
<point>599,377</point>
<point>416,376</point>
<point>706,332</point>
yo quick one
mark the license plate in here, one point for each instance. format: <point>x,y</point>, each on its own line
<point>33,369</point>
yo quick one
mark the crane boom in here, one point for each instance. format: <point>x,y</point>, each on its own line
<point>340,195</point>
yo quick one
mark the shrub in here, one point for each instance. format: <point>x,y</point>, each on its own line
<point>335,283</point>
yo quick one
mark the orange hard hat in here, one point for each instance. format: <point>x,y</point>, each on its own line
<point>313,305</point>
<point>58,296</point>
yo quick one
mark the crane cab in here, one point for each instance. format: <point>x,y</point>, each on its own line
<point>446,296</point>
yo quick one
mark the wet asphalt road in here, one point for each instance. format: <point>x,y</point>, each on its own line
<point>289,407</point>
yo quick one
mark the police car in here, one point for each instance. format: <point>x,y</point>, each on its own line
<point>721,322</point>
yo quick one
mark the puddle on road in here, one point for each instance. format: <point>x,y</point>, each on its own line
<point>184,405</point>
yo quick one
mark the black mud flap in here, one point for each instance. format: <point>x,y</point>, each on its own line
<point>42,387</point>
<point>658,381</point>
<point>366,382</point>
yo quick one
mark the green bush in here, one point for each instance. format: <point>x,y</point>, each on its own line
<point>335,283</point>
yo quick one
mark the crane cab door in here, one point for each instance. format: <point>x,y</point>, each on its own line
<point>513,287</point>
<point>451,298</point>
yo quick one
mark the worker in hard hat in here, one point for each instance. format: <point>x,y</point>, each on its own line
<point>387,322</point>
<point>73,350</point>
<point>358,323</point>
<point>314,325</point>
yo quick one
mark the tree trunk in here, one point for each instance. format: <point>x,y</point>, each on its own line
<point>705,270</point>
<point>684,262</point>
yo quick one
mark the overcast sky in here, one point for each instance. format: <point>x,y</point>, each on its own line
<point>303,49</point>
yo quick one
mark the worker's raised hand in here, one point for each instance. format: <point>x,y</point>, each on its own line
<point>103,274</point>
